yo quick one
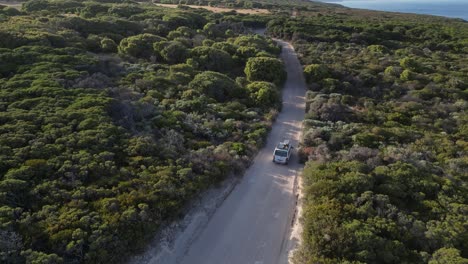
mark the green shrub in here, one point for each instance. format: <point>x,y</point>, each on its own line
<point>265,69</point>
<point>216,85</point>
<point>315,73</point>
<point>140,46</point>
<point>264,94</point>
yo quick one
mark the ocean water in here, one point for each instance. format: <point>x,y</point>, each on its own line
<point>447,8</point>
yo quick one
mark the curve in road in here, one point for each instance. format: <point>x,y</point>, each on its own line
<point>253,223</point>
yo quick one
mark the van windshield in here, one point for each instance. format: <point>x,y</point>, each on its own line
<point>281,153</point>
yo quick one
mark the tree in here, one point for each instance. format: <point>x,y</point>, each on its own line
<point>13,192</point>
<point>407,75</point>
<point>246,52</point>
<point>315,73</point>
<point>125,10</point>
<point>175,52</point>
<point>377,49</point>
<point>212,30</point>
<point>108,45</point>
<point>212,59</point>
<point>216,85</point>
<point>178,19</point>
<point>186,31</point>
<point>91,9</point>
<point>37,257</point>
<point>447,256</point>
<point>392,71</point>
<point>140,46</point>
<point>409,63</point>
<point>256,41</point>
<point>265,69</point>
<point>225,46</point>
<point>264,94</point>
<point>35,5</point>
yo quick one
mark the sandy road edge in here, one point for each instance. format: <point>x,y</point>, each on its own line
<point>295,234</point>
<point>291,238</point>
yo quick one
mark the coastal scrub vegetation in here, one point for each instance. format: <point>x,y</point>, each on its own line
<point>114,115</point>
<point>385,137</point>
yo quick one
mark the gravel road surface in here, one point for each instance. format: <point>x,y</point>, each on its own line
<point>253,223</point>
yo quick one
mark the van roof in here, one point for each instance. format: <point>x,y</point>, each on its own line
<point>283,145</point>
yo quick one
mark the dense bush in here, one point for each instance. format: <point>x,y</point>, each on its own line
<point>264,94</point>
<point>139,45</point>
<point>315,73</point>
<point>174,52</point>
<point>211,59</point>
<point>216,85</point>
<point>265,68</point>
<point>110,124</point>
<point>384,137</point>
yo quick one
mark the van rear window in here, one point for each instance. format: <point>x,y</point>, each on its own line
<point>281,153</point>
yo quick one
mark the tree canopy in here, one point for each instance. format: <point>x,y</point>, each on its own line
<point>265,68</point>
<point>216,85</point>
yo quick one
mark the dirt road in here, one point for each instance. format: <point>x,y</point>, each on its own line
<point>253,223</point>
<point>16,5</point>
<point>222,9</point>
<point>249,222</point>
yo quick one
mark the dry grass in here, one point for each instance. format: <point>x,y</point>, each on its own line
<point>221,9</point>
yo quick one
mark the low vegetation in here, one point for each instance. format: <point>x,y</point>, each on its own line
<point>385,137</point>
<point>114,115</point>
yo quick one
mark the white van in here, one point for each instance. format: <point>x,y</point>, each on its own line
<point>282,152</point>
